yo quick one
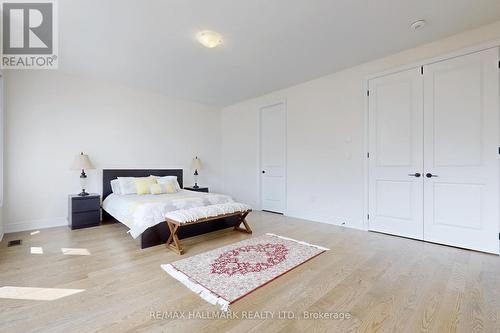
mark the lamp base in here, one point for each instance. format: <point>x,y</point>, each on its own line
<point>83,193</point>
<point>195,178</point>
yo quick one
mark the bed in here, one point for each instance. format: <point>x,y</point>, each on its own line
<point>141,213</point>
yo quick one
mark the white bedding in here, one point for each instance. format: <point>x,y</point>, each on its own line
<point>196,213</point>
<point>139,212</point>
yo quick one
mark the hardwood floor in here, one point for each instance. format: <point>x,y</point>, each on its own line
<point>385,283</point>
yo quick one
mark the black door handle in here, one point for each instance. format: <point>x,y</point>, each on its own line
<point>263,171</point>
<point>416,174</point>
<point>430,175</point>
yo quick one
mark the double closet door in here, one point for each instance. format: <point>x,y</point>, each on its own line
<point>434,152</point>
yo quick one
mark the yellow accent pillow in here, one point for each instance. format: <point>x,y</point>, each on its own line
<point>170,187</point>
<point>162,188</point>
<point>142,184</point>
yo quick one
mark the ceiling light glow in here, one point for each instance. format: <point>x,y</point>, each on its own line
<point>209,38</point>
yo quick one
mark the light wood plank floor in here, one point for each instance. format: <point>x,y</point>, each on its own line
<point>386,283</point>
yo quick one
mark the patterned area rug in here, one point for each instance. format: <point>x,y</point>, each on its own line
<point>225,275</point>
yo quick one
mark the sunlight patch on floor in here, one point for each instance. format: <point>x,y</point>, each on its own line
<point>34,232</point>
<point>36,250</point>
<point>36,294</point>
<point>75,252</point>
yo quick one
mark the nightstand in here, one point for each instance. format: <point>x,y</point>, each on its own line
<point>199,189</point>
<point>84,212</point>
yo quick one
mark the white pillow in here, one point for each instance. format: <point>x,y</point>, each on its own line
<point>168,179</point>
<point>127,185</point>
<point>115,186</point>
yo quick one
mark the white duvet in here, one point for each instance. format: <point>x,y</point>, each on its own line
<point>139,212</point>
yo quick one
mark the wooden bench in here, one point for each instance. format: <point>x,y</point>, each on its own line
<point>174,242</point>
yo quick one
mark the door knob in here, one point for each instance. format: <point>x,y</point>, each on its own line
<point>416,174</point>
<point>430,175</point>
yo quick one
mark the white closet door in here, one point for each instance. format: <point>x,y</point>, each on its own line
<point>272,155</point>
<point>461,151</point>
<point>395,163</point>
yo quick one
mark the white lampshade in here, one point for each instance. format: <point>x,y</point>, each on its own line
<point>196,165</point>
<point>82,162</point>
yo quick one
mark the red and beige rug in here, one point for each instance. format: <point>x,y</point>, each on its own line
<point>225,275</point>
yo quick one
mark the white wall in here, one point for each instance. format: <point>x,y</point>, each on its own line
<point>325,137</point>
<point>51,117</point>
<point>1,224</point>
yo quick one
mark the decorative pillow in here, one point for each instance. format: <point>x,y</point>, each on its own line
<point>115,186</point>
<point>169,179</point>
<point>142,184</point>
<point>127,185</point>
<point>162,188</point>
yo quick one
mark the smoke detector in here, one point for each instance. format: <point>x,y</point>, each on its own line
<point>418,24</point>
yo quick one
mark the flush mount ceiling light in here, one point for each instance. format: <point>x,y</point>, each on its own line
<point>209,38</point>
<point>418,24</point>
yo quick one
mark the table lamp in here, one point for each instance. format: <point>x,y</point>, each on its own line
<point>82,162</point>
<point>196,165</point>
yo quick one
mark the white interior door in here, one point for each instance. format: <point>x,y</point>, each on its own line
<point>461,110</point>
<point>395,161</point>
<point>272,157</point>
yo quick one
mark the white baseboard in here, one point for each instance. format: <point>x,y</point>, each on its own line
<point>338,221</point>
<point>35,224</point>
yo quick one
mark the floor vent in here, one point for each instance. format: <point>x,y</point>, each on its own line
<point>14,242</point>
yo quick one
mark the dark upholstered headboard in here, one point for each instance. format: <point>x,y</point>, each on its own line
<point>109,174</point>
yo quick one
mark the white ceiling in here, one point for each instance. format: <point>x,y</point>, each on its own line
<point>268,44</point>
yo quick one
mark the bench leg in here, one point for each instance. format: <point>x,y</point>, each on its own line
<point>244,222</point>
<point>173,241</point>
